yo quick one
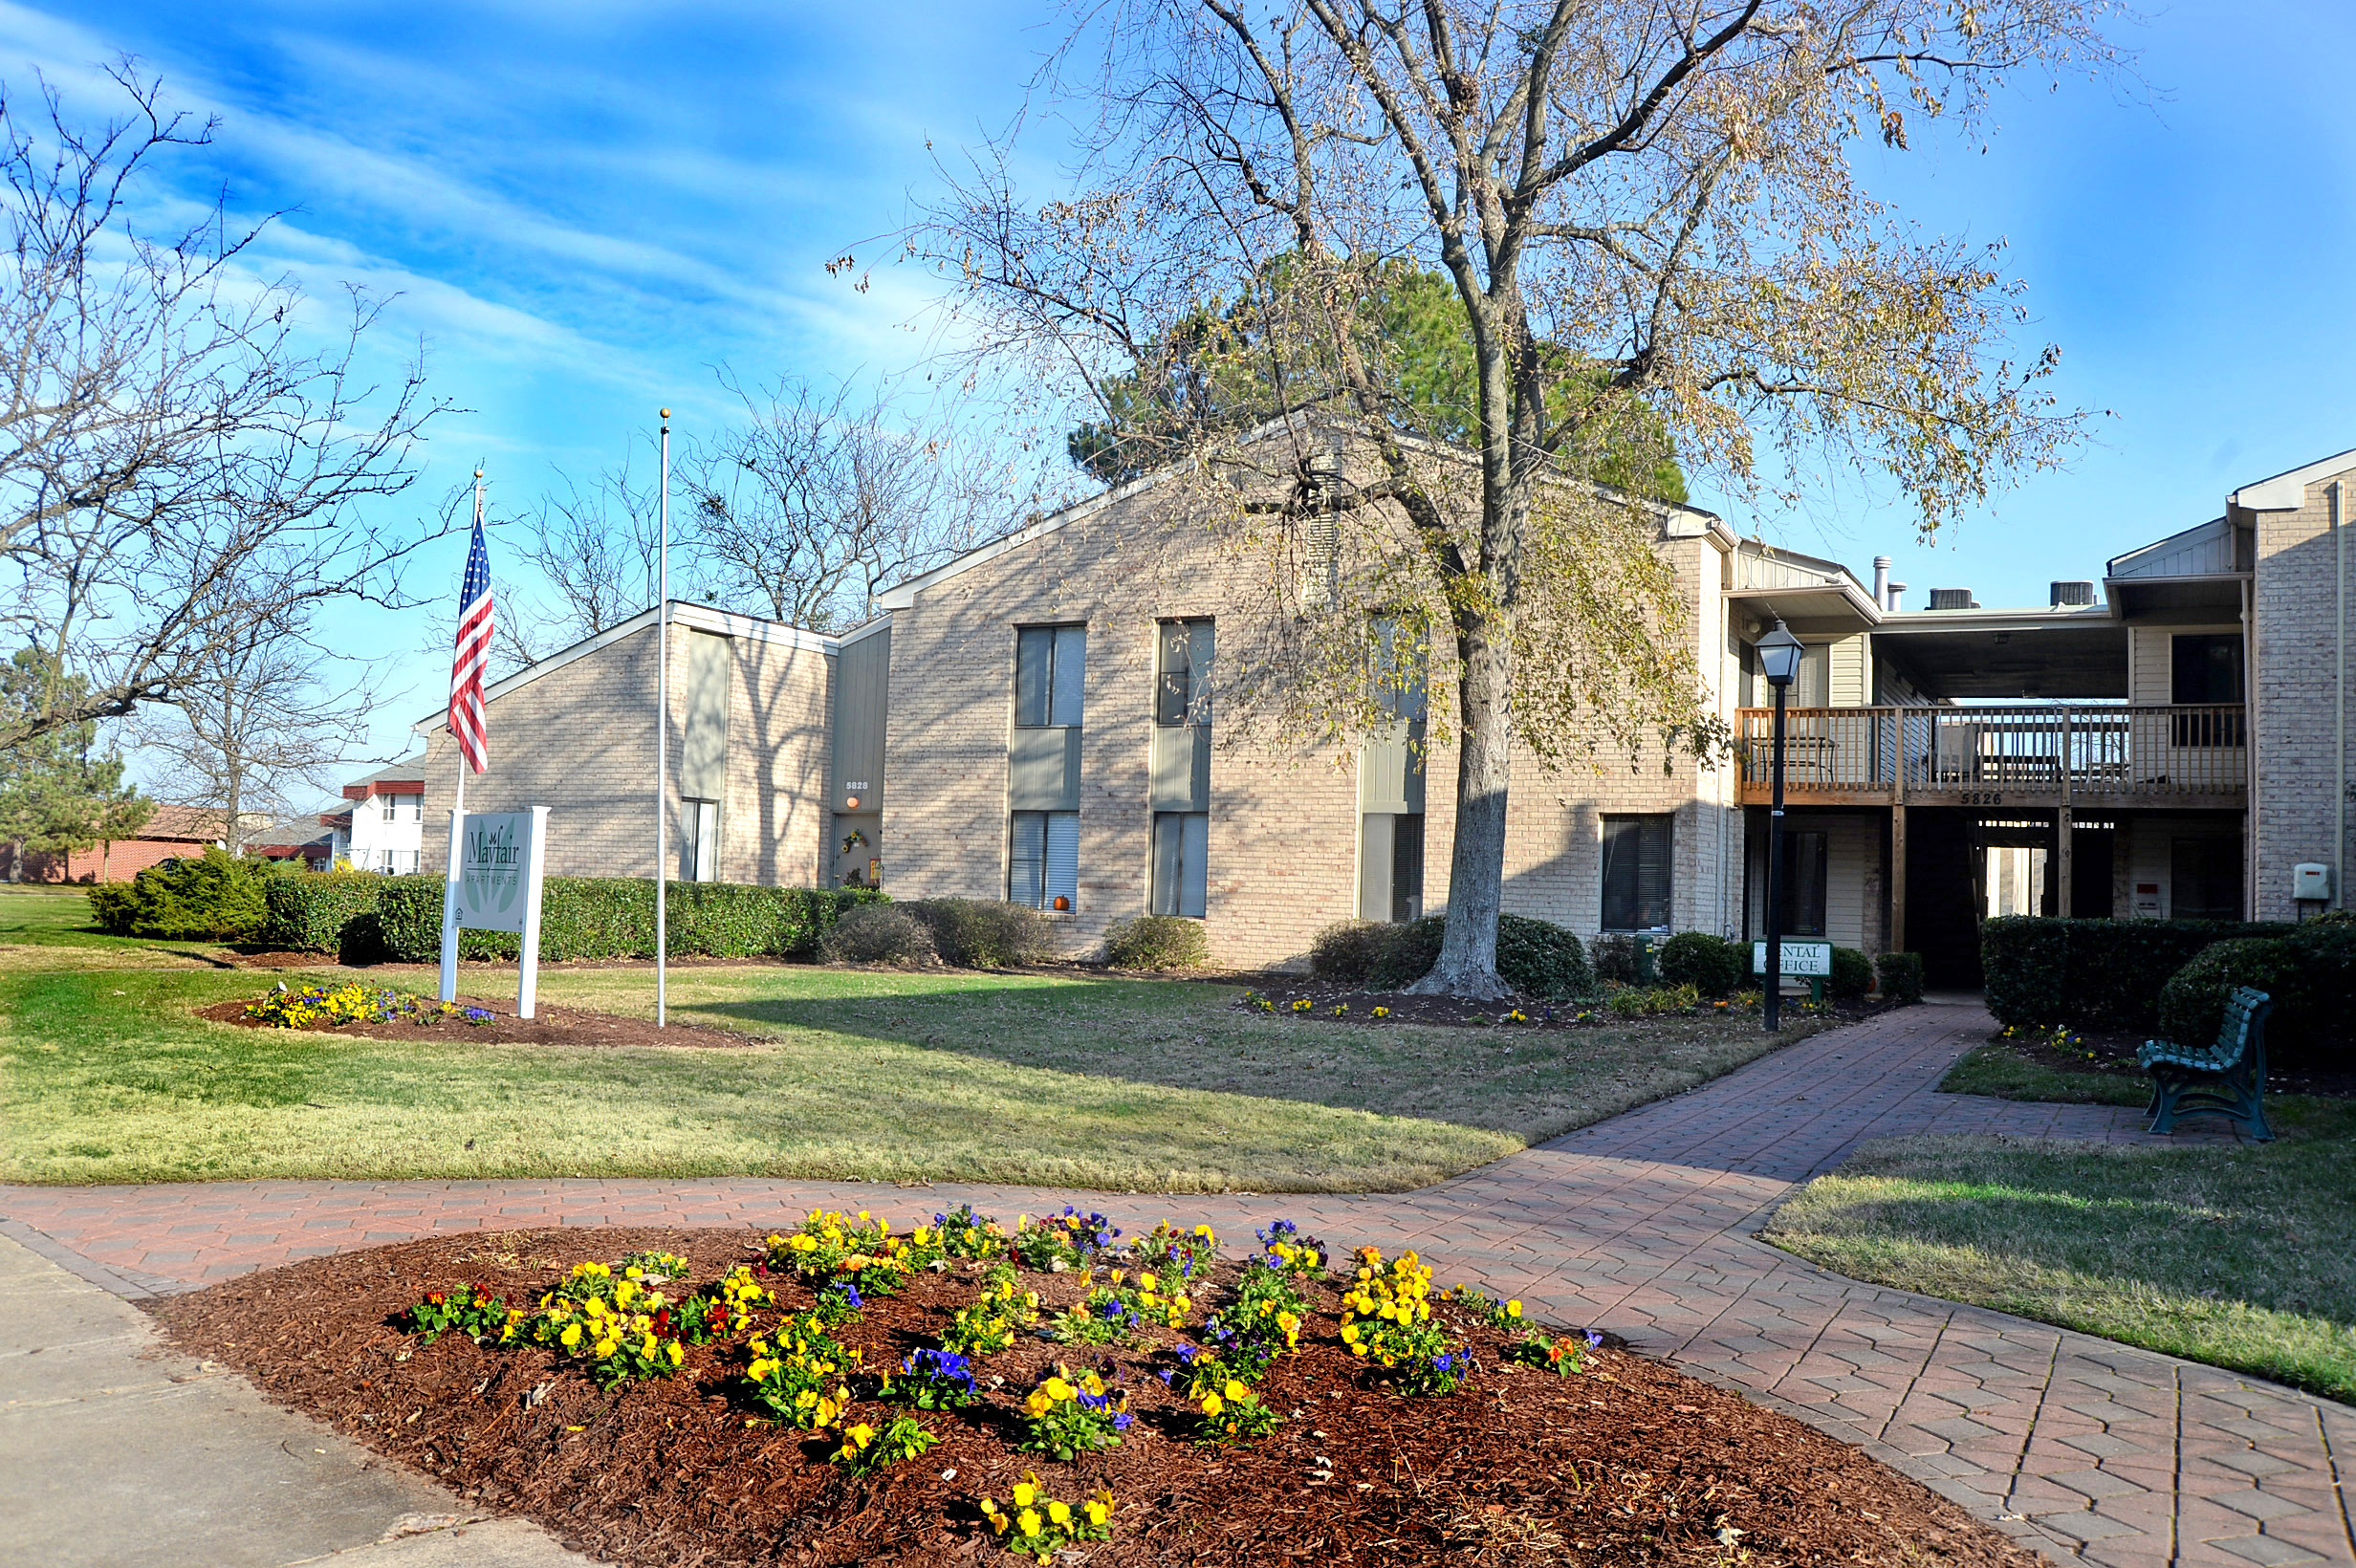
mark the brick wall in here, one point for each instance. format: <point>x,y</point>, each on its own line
<point>1284,822</point>
<point>579,740</point>
<point>2294,815</point>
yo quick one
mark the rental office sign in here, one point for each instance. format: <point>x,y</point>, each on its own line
<point>494,879</point>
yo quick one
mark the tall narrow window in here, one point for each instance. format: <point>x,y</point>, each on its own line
<point>1180,785</point>
<point>1805,862</point>
<point>1051,670</point>
<point>1043,859</point>
<point>1390,783</point>
<point>1636,866</point>
<point>702,840</point>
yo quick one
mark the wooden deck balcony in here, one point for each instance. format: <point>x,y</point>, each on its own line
<point>2030,757</point>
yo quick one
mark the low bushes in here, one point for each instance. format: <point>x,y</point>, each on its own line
<point>1712,965</point>
<point>1618,959</point>
<point>1536,957</point>
<point>1539,958</point>
<point>1902,977</point>
<point>2307,973</point>
<point>2093,973</point>
<point>1852,974</point>
<point>580,917</point>
<point>877,933</point>
<point>1157,941</point>
<point>983,934</point>
<point>215,897</point>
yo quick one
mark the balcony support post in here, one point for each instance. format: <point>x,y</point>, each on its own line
<point>2062,828</point>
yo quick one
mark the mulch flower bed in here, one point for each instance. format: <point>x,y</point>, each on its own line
<point>500,1026</point>
<point>626,1455</point>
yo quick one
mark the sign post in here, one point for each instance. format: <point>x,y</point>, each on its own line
<point>496,868</point>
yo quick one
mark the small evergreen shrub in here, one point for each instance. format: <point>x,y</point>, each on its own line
<point>1613,956</point>
<point>1852,974</point>
<point>1377,955</point>
<point>215,897</point>
<point>1157,941</point>
<point>1710,965</point>
<point>2093,974</point>
<point>878,933</point>
<point>1902,977</point>
<point>983,933</point>
<point>1539,958</point>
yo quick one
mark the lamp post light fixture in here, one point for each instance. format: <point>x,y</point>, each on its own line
<point>1778,660</point>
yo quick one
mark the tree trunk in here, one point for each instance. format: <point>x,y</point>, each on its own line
<point>1468,964</point>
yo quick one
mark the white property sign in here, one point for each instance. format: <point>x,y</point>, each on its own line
<point>493,877</point>
<point>1805,959</point>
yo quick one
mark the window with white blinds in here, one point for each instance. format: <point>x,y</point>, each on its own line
<point>1180,863</point>
<point>1051,672</point>
<point>1043,859</point>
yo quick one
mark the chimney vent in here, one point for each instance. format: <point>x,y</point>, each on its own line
<point>1881,581</point>
<point>2072,594</point>
<point>1895,589</point>
<point>1953,599</point>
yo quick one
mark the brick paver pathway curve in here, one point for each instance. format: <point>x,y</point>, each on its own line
<point>1643,1224</point>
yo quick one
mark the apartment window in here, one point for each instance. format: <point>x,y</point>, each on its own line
<point>1180,784</point>
<point>392,808</point>
<point>2206,669</point>
<point>1043,859</point>
<point>1051,668</point>
<point>701,840</point>
<point>1636,866</point>
<point>400,860</point>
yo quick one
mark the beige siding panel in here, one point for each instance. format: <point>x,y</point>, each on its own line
<point>1850,685</point>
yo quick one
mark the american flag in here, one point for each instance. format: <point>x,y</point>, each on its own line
<point>473,653</point>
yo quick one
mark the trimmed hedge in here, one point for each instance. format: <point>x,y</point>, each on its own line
<point>1712,965</point>
<point>2093,974</point>
<point>215,897</point>
<point>983,933</point>
<point>1902,977</point>
<point>580,917</point>
<point>1157,941</point>
<point>1852,974</point>
<point>2192,1002</point>
<point>1536,957</point>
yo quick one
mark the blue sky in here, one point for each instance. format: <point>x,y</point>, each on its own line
<point>585,208</point>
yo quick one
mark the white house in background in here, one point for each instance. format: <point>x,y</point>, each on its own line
<point>383,828</point>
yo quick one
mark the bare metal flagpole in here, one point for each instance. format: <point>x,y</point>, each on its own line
<point>458,824</point>
<point>663,730</point>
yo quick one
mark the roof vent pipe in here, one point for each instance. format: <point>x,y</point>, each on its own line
<point>1895,589</point>
<point>1881,581</point>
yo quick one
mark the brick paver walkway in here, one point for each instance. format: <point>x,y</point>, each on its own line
<point>1643,1224</point>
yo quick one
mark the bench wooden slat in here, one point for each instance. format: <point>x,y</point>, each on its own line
<point>2228,1078</point>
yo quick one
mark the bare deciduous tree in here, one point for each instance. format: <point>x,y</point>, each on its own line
<point>817,501</point>
<point>177,468</point>
<point>263,724</point>
<point>1648,219</point>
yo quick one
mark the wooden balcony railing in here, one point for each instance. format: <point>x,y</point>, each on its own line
<point>2177,754</point>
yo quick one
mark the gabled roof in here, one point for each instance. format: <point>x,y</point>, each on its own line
<point>701,617</point>
<point>2203,549</point>
<point>1682,521</point>
<point>2288,491</point>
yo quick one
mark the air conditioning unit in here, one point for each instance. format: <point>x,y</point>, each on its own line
<point>2072,594</point>
<point>1953,599</point>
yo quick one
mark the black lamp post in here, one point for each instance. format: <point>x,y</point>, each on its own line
<point>1778,660</point>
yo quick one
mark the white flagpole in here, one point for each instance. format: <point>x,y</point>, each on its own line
<point>458,823</point>
<point>662,730</point>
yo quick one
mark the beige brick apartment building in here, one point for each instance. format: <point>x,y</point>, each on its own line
<point>1040,719</point>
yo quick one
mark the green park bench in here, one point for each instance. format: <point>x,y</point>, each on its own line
<point>2228,1078</point>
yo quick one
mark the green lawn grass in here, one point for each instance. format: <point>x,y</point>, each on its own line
<point>2235,1255</point>
<point>2006,1071</point>
<point>105,1075</point>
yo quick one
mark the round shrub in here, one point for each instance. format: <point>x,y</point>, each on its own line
<point>1539,958</point>
<point>215,897</point>
<point>1614,957</point>
<point>2192,1002</point>
<point>1902,977</point>
<point>983,933</point>
<point>1852,974</point>
<point>878,933</point>
<point>1712,965</point>
<point>1157,941</point>
<point>1376,954</point>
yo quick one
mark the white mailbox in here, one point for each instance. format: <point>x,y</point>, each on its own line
<point>2311,882</point>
